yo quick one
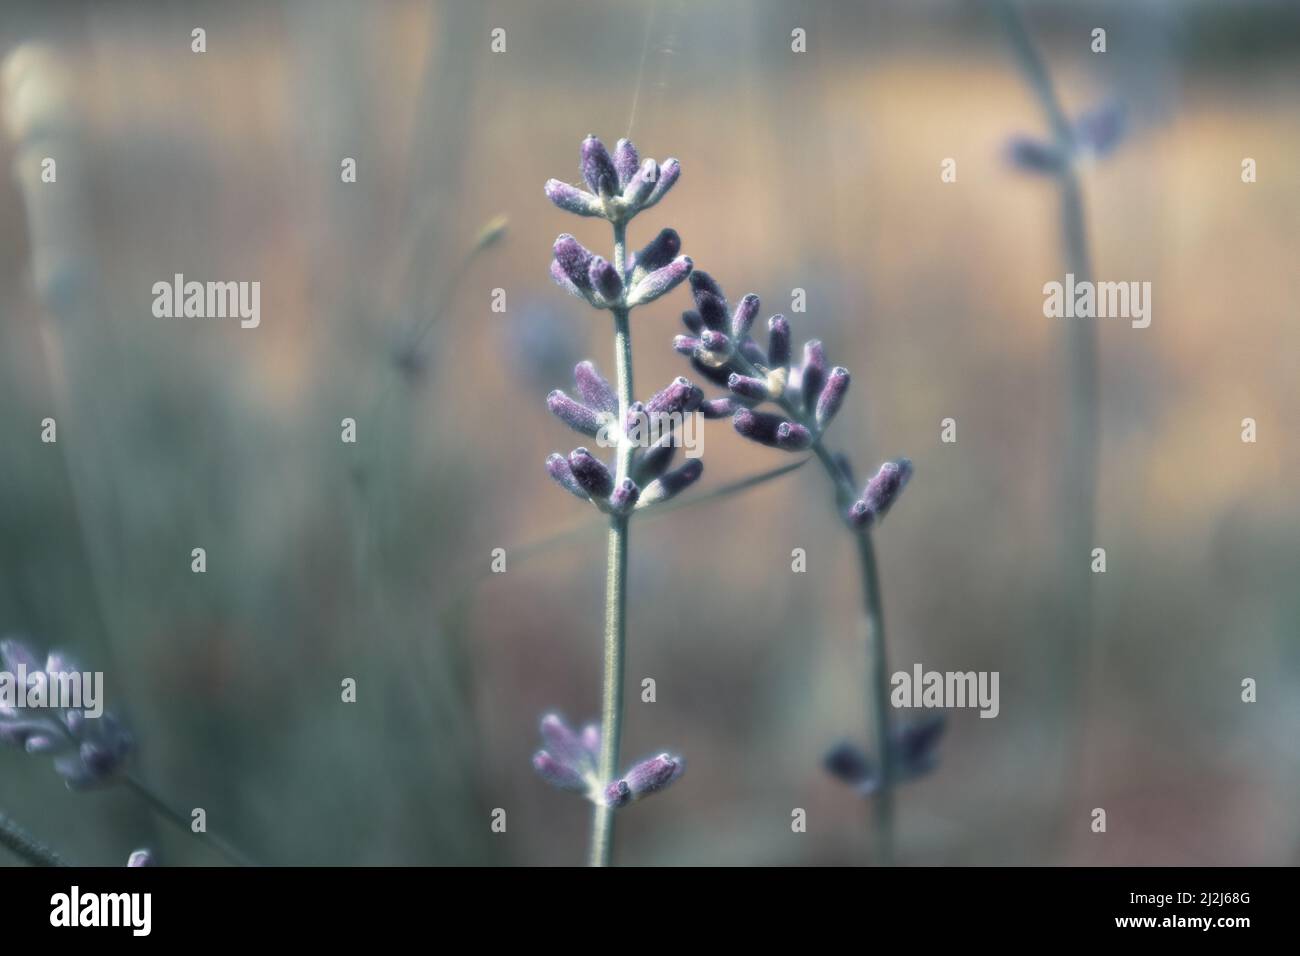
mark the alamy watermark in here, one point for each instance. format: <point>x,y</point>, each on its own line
<point>684,430</point>
<point>57,690</point>
<point>1099,300</point>
<point>922,688</point>
<point>208,300</point>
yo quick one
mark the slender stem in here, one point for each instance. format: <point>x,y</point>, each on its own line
<point>23,844</point>
<point>174,816</point>
<point>611,700</point>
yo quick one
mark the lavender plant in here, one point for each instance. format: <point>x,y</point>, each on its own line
<point>618,188</point>
<point>807,397</point>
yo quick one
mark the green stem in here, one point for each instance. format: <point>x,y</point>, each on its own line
<point>174,816</point>
<point>23,844</point>
<point>611,700</point>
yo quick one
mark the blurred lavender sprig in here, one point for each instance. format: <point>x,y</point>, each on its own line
<point>570,761</point>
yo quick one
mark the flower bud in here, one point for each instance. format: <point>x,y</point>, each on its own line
<point>668,173</point>
<point>691,319</point>
<point>652,775</point>
<point>559,775</point>
<point>572,199</point>
<point>671,484</point>
<point>604,278</point>
<point>595,390</point>
<point>778,342</point>
<point>752,389</point>
<point>656,459</point>
<point>791,436</point>
<point>597,168</point>
<point>574,260</point>
<point>832,395</point>
<point>715,342</point>
<point>573,413</point>
<point>766,429</point>
<point>718,408</point>
<point>885,487</point>
<point>140,858</point>
<point>1034,156</point>
<point>679,396</point>
<point>658,252</point>
<point>557,466</point>
<point>847,763</point>
<point>623,499</point>
<point>743,318</point>
<point>813,372</point>
<point>661,281</point>
<point>686,344</point>
<point>591,473</point>
<point>641,185</point>
<point>625,161</point>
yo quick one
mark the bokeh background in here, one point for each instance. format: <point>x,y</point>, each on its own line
<point>815,170</point>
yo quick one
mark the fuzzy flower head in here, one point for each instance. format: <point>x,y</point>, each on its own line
<point>618,186</point>
<point>653,428</point>
<point>570,761</point>
<point>87,751</point>
<point>913,749</point>
<point>653,271</point>
<point>1093,136</point>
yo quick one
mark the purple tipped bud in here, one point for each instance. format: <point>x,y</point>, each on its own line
<point>766,429</point>
<point>718,408</point>
<point>591,473</point>
<point>635,414</point>
<point>597,168</point>
<point>618,794</point>
<point>671,484</point>
<point>791,436</point>
<point>1035,156</point>
<point>561,741</point>
<point>693,322</point>
<point>756,356</point>
<point>1100,130</point>
<point>656,460</point>
<point>753,389</point>
<point>572,199</point>
<point>679,396</point>
<point>743,319</point>
<point>883,489</point>
<point>624,497</point>
<point>557,466</point>
<point>563,281</point>
<point>573,413</point>
<point>813,373</point>
<point>140,858</point>
<point>659,251</point>
<point>625,161</point>
<point>860,515</point>
<point>641,185</point>
<point>661,281</point>
<point>605,280</point>
<point>832,396</point>
<point>595,390</point>
<point>653,775</point>
<point>558,774</point>
<point>685,344</point>
<point>574,260</point>
<point>715,341</point>
<point>591,741</point>
<point>668,174</point>
<point>778,342</point>
<point>916,745</point>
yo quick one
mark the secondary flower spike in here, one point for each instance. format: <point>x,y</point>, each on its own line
<point>618,186</point>
<point>914,752</point>
<point>569,761</point>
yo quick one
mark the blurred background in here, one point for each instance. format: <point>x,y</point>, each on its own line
<point>818,171</point>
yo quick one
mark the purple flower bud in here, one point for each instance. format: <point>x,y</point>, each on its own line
<point>791,436</point>
<point>641,185</point>
<point>625,161</point>
<point>715,341</point>
<point>561,741</point>
<point>597,168</point>
<point>668,173</point>
<point>562,280</point>
<point>671,484</point>
<point>686,344</point>
<point>883,489</point>
<point>635,412</point>
<point>558,774</point>
<point>849,764</point>
<point>718,375</point>
<point>916,745</point>
<point>813,372</point>
<point>572,199</point>
<point>574,260</point>
<point>591,741</point>
<point>573,413</point>
<point>659,251</point>
<point>718,408</point>
<point>755,355</point>
<point>778,342</point>
<point>661,281</point>
<point>1101,129</point>
<point>744,316</point>
<point>679,396</point>
<point>832,396</point>
<point>691,319</point>
<point>655,461</point>
<point>711,303</point>
<point>140,858</point>
<point>653,775</point>
<point>766,429</point>
<point>624,497</point>
<point>557,466</point>
<point>1035,156</point>
<point>591,473</point>
<point>753,389</point>
<point>618,794</point>
<point>604,279</point>
<point>860,515</point>
<point>595,390</point>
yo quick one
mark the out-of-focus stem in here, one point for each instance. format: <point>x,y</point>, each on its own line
<point>175,817</point>
<point>14,838</point>
<point>611,706</point>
